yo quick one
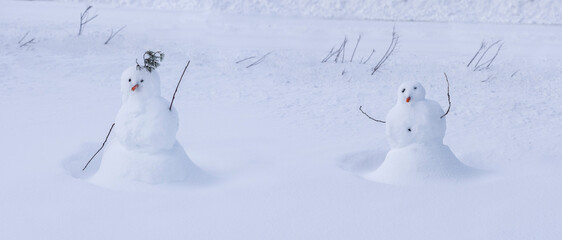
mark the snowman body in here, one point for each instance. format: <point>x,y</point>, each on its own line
<point>415,130</point>
<point>144,147</point>
<point>146,125</point>
<point>414,123</point>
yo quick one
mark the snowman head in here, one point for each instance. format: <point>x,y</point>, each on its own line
<point>139,83</point>
<point>410,92</point>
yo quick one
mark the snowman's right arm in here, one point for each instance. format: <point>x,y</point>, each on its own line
<point>376,120</point>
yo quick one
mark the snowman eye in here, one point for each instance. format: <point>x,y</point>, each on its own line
<point>129,80</point>
<point>403,89</point>
<point>415,88</point>
<point>142,80</point>
<point>409,129</point>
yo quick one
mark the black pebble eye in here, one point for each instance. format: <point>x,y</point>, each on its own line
<point>129,80</point>
<point>409,129</point>
<point>142,80</point>
<point>403,89</point>
<point>415,88</point>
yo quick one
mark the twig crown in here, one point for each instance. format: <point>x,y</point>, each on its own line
<point>151,60</point>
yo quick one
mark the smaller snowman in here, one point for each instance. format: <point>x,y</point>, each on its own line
<point>144,148</point>
<point>415,128</point>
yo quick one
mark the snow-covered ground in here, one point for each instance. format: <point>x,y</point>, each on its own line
<point>485,11</point>
<point>284,138</point>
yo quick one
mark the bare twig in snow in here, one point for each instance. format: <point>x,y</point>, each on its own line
<point>339,53</point>
<point>25,43</point>
<point>495,55</point>
<point>513,74</point>
<point>488,78</point>
<point>248,58</point>
<point>28,42</point>
<point>341,50</point>
<point>376,120</point>
<point>388,52</point>
<point>448,96</point>
<point>102,145</point>
<point>174,96</point>
<point>355,49</point>
<point>21,40</point>
<point>113,34</point>
<point>480,66</point>
<point>484,53</point>
<point>258,61</point>
<point>482,46</point>
<point>487,63</point>
<point>330,54</point>
<point>369,58</point>
<point>84,19</point>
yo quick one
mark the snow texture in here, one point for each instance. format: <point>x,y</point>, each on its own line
<point>145,148</point>
<point>467,11</point>
<point>415,130</point>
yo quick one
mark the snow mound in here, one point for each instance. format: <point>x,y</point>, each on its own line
<point>121,164</point>
<point>421,163</point>
<point>361,163</point>
<point>74,163</point>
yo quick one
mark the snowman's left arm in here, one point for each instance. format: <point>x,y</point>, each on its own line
<point>448,96</point>
<point>174,96</point>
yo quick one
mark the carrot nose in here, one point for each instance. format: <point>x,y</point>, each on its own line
<point>408,99</point>
<point>134,87</point>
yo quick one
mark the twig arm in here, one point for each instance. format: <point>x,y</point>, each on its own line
<point>448,96</point>
<point>174,97</point>
<point>376,120</point>
<point>102,145</point>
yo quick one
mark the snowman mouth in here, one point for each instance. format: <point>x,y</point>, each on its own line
<point>408,99</point>
<point>135,87</point>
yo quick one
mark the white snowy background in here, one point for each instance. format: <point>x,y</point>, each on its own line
<point>284,138</point>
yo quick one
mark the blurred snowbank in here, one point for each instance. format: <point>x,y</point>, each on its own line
<point>513,11</point>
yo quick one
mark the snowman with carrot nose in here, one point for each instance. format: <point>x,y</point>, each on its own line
<point>144,147</point>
